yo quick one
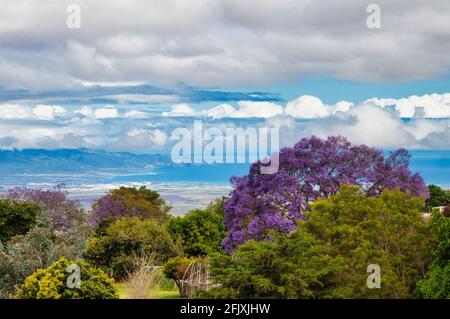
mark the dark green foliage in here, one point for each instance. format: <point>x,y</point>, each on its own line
<point>51,283</point>
<point>438,197</point>
<point>199,232</point>
<point>291,266</point>
<point>437,282</point>
<point>118,245</point>
<point>16,218</point>
<point>328,256</point>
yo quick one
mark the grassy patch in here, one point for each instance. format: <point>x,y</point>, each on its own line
<point>160,293</point>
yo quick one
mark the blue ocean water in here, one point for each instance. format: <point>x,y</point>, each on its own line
<point>433,165</point>
<point>187,187</point>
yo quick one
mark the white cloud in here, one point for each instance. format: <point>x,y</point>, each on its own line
<point>181,110</point>
<point>99,113</point>
<point>248,109</point>
<point>135,114</point>
<point>220,111</point>
<point>22,112</point>
<point>311,107</point>
<point>48,112</point>
<point>430,105</point>
<point>15,111</point>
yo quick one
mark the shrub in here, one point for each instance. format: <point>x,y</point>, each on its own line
<point>16,218</point>
<point>189,274</point>
<point>51,283</point>
<point>39,248</point>
<point>125,239</point>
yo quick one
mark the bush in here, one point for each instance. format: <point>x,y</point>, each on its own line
<point>130,202</point>
<point>51,283</point>
<point>118,245</point>
<point>199,232</point>
<point>39,248</point>
<point>16,218</point>
<point>189,274</point>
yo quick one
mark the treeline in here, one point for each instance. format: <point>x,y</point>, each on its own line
<point>336,221</point>
<point>43,232</point>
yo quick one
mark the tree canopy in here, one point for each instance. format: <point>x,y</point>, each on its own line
<point>328,255</point>
<point>130,202</point>
<point>199,232</point>
<point>116,247</point>
<point>312,169</point>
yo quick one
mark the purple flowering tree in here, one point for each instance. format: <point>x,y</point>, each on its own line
<point>59,212</point>
<point>129,202</point>
<point>313,168</point>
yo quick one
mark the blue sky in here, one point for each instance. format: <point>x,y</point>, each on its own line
<point>134,71</point>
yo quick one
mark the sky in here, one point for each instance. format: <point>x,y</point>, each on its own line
<point>135,70</point>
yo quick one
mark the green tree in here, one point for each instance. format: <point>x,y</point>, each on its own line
<point>117,246</point>
<point>437,282</point>
<point>328,255</point>
<point>290,266</point>
<point>16,218</point>
<point>438,197</point>
<point>51,283</point>
<point>199,232</point>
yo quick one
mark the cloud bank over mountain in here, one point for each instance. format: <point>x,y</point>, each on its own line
<point>414,122</point>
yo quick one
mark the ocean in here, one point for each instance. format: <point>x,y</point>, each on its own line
<point>187,187</point>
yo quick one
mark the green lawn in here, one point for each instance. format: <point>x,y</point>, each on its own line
<point>160,293</point>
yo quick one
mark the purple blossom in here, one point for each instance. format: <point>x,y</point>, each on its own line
<point>58,211</point>
<point>313,168</point>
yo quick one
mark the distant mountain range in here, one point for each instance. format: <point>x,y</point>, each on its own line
<point>75,161</point>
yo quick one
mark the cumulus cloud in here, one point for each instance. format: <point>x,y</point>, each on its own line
<point>429,105</point>
<point>181,110</point>
<point>48,112</point>
<point>22,112</point>
<point>249,109</point>
<point>311,107</point>
<point>135,114</point>
<point>99,113</point>
<point>375,122</point>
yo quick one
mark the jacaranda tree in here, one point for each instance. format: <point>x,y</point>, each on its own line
<point>312,169</point>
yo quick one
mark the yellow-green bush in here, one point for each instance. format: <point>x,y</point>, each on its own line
<point>51,283</point>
